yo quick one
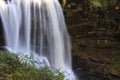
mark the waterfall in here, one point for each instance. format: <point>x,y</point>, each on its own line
<point>37,28</point>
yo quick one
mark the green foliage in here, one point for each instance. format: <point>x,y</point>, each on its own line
<point>107,3</point>
<point>102,3</point>
<point>95,3</point>
<point>12,68</point>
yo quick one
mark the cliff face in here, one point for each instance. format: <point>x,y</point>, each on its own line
<point>95,41</point>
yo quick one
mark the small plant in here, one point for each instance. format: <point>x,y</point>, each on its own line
<point>12,68</point>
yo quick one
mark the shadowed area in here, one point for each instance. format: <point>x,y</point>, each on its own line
<point>2,40</point>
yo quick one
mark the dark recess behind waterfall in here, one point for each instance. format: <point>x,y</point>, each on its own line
<point>2,39</point>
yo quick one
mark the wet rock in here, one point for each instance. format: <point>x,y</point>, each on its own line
<point>4,48</point>
<point>93,68</point>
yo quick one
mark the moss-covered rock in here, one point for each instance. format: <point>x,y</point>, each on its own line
<point>12,68</point>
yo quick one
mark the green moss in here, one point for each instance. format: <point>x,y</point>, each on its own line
<point>11,68</point>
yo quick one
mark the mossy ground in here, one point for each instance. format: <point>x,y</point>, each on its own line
<point>11,68</point>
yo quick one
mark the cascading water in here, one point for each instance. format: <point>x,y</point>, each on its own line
<point>37,28</point>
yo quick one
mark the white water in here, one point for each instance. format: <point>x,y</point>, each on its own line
<point>37,28</point>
